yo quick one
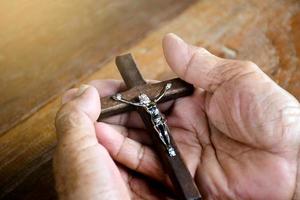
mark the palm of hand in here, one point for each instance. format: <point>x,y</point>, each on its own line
<point>238,159</point>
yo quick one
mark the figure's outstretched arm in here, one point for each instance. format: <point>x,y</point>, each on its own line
<point>118,97</point>
<point>163,92</point>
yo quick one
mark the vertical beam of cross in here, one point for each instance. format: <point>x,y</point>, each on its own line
<point>174,165</point>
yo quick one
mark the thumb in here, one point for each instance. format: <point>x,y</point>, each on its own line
<point>77,116</point>
<point>83,168</point>
<point>198,66</point>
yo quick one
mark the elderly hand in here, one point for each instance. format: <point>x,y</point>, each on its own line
<point>239,135</point>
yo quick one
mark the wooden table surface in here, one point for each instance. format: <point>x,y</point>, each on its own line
<point>49,46</point>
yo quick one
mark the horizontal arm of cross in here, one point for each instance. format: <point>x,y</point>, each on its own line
<point>110,107</point>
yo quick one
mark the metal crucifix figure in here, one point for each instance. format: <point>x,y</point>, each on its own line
<point>157,119</point>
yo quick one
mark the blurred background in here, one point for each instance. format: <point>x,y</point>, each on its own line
<point>48,46</point>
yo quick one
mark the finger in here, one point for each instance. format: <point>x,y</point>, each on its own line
<point>76,117</point>
<point>201,68</point>
<point>75,121</point>
<point>107,88</point>
<point>128,119</point>
<point>128,152</point>
<point>138,134</point>
<point>78,153</point>
<point>69,95</point>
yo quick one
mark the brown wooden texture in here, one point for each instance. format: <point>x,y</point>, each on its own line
<point>266,32</point>
<point>128,68</point>
<point>46,46</point>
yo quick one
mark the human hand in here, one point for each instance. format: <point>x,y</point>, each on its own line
<point>239,135</point>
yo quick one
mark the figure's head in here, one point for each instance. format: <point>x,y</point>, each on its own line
<point>144,99</point>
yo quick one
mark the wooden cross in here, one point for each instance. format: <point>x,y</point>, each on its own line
<point>173,165</point>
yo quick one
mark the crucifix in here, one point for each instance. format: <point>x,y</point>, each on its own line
<point>144,98</point>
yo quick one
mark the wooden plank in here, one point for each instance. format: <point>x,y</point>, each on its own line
<point>46,46</point>
<point>229,28</point>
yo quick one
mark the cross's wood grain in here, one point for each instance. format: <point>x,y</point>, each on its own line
<point>266,32</point>
<point>129,71</point>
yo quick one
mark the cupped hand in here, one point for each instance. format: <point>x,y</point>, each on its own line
<point>239,135</point>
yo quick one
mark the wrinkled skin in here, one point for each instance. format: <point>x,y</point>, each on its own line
<point>238,135</point>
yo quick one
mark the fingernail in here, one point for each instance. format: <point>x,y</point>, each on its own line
<point>81,89</point>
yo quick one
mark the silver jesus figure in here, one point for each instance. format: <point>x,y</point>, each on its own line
<point>157,119</point>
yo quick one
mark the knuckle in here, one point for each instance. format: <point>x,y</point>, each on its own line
<point>68,116</point>
<point>238,70</point>
<point>140,157</point>
<point>200,51</point>
<point>249,65</point>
